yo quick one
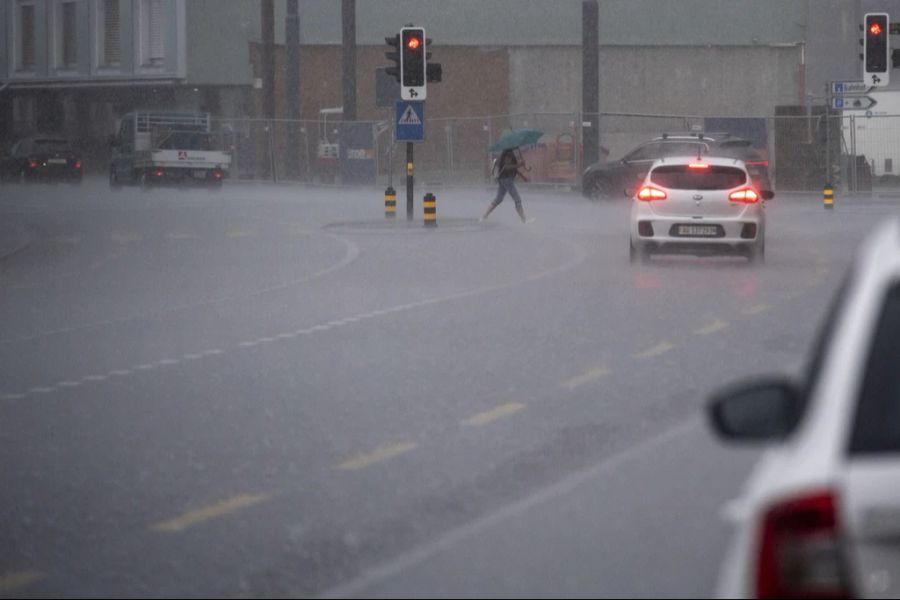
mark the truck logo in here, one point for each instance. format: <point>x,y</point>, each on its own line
<point>182,155</point>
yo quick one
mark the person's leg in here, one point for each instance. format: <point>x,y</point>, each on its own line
<point>516,198</point>
<point>501,192</point>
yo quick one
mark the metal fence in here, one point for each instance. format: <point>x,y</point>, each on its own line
<point>798,143</point>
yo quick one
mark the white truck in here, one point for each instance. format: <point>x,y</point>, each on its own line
<point>167,148</point>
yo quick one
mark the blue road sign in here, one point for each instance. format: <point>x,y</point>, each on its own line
<point>410,121</point>
<point>841,88</point>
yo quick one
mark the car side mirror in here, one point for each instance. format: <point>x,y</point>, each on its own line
<point>767,194</point>
<point>758,411</point>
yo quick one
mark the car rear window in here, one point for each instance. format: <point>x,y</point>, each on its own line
<point>682,148</point>
<point>186,140</point>
<point>682,177</point>
<point>52,145</point>
<point>876,429</point>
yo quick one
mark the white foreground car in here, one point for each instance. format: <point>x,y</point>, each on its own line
<point>820,516</point>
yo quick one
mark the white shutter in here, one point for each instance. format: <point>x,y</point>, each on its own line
<point>69,45</point>
<point>156,31</point>
<point>26,36</point>
<point>112,49</point>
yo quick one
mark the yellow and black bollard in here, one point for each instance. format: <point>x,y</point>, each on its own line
<point>828,196</point>
<point>429,205</point>
<point>390,203</point>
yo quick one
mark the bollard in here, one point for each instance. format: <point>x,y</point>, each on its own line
<point>429,205</point>
<point>828,196</point>
<point>390,203</point>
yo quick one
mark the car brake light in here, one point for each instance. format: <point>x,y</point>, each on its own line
<point>747,195</point>
<point>698,167</point>
<point>799,552</point>
<point>159,173</point>
<point>32,163</point>
<point>218,174</point>
<point>648,193</point>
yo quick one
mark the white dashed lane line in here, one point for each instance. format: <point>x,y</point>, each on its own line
<point>579,257</point>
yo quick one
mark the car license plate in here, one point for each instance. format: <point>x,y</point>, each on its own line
<point>698,230</point>
<point>200,174</point>
<point>56,161</point>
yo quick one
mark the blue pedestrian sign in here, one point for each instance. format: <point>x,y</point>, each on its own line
<point>409,124</point>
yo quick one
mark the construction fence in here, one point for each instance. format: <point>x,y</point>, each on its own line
<point>798,142</point>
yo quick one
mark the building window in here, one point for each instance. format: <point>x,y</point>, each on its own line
<point>67,38</point>
<point>25,46</point>
<point>152,54</point>
<point>110,38</point>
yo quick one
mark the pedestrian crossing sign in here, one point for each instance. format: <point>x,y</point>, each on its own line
<point>410,121</point>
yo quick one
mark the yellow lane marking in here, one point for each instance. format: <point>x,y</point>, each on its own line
<point>17,579</point>
<point>67,239</point>
<point>241,233</point>
<point>124,237</point>
<point>179,235</point>
<point>380,455</point>
<point>298,229</point>
<point>587,377</point>
<point>499,412</point>
<point>200,515</point>
<point>656,350</point>
<point>756,309</point>
<point>717,325</point>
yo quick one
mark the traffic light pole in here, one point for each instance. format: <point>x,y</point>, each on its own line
<point>409,181</point>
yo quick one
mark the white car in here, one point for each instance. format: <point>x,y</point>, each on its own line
<point>698,205</point>
<point>820,515</point>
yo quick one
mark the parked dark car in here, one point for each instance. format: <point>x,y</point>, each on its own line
<point>610,179</point>
<point>41,158</point>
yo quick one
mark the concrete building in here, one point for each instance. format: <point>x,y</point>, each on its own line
<point>74,66</point>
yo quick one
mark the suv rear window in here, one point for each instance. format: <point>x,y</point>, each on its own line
<point>877,425</point>
<point>681,177</point>
<point>52,145</point>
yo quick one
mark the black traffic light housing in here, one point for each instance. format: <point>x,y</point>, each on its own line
<point>412,57</point>
<point>393,55</point>
<point>433,71</point>
<point>876,49</point>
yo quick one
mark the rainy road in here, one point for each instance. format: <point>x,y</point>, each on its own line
<point>272,391</point>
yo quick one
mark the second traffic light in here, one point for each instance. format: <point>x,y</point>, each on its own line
<point>413,63</point>
<point>876,50</point>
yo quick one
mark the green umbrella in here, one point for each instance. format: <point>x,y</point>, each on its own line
<point>516,138</point>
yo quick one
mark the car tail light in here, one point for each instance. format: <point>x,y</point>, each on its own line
<point>159,173</point>
<point>698,167</point>
<point>799,553</point>
<point>32,163</point>
<point>748,195</point>
<point>649,193</point>
<point>757,163</point>
<point>77,164</point>
<point>218,173</point>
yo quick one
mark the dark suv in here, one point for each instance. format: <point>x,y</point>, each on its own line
<point>611,179</point>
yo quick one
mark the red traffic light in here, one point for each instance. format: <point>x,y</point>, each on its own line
<point>413,43</point>
<point>875,29</point>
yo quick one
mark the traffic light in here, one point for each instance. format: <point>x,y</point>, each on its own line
<point>876,50</point>
<point>412,63</point>
<point>393,55</point>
